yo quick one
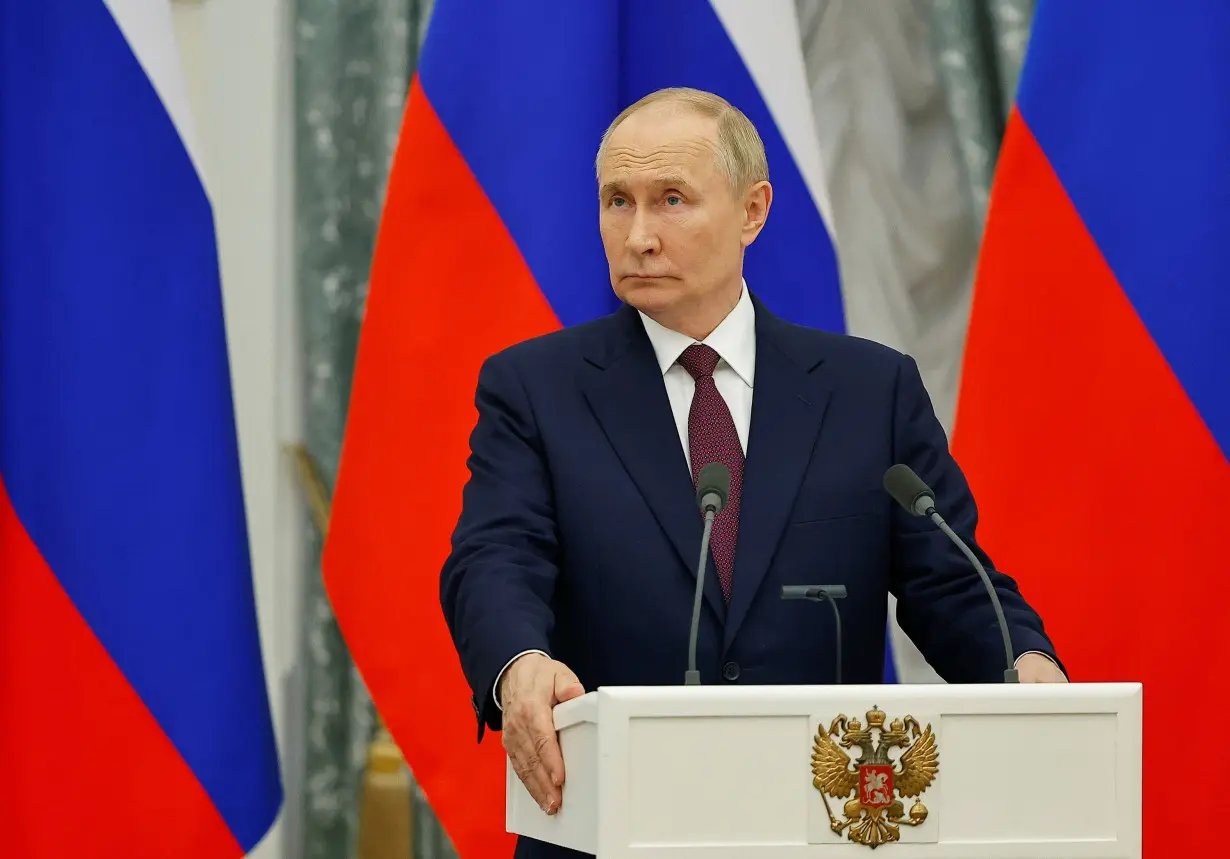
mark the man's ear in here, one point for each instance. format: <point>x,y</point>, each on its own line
<point>756,204</point>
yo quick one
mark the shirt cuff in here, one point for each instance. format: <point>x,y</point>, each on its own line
<point>495,691</point>
<point>1014,664</point>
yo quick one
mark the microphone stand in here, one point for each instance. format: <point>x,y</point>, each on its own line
<point>821,593</point>
<point>692,676</point>
<point>712,491</point>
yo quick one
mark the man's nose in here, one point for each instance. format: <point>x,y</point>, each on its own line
<point>643,237</point>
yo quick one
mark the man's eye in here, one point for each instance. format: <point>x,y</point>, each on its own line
<point>673,199</point>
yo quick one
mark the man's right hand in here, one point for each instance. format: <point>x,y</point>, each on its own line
<point>528,691</point>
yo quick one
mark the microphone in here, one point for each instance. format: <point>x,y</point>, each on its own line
<point>908,490</point>
<point>821,593</point>
<point>712,493</point>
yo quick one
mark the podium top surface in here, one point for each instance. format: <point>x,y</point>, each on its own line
<point>772,700</point>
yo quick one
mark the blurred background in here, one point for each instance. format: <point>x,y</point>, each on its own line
<point>298,105</point>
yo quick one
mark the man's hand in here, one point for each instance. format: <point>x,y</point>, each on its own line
<point>528,690</point>
<point>1036,668</point>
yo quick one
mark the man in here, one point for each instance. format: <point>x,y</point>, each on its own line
<point>573,560</point>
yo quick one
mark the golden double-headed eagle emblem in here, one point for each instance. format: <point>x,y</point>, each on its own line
<point>873,784</point>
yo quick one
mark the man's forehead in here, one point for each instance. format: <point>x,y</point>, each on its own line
<point>622,178</point>
<point>665,165</point>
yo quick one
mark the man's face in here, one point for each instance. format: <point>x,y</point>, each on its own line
<point>673,231</point>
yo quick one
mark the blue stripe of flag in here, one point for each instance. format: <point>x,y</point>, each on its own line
<point>1128,99</point>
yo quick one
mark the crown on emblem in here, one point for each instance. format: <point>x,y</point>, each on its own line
<point>876,717</point>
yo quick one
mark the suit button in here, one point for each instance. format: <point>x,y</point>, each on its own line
<point>730,671</point>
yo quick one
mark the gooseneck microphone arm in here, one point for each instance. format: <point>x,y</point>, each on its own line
<point>822,593</point>
<point>1010,673</point>
<point>908,490</point>
<point>712,493</point>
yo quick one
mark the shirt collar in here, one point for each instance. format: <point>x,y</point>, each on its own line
<point>734,340</point>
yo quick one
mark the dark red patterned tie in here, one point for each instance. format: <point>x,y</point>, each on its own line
<point>712,438</point>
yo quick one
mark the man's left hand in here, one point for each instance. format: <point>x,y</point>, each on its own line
<point>1036,668</point>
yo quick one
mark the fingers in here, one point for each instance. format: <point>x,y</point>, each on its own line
<point>566,686</point>
<point>529,739</point>
<point>546,748</point>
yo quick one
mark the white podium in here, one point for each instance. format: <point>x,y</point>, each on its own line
<point>1030,771</point>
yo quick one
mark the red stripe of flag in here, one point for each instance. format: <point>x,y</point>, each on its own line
<point>89,766</point>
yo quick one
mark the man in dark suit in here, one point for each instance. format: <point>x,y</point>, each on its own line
<point>573,560</point>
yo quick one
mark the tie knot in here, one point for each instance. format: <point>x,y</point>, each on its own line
<point>699,360</point>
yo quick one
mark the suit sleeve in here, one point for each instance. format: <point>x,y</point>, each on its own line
<point>497,583</point>
<point>942,604</point>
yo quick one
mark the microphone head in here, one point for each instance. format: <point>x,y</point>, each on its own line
<point>713,487</point>
<point>908,490</point>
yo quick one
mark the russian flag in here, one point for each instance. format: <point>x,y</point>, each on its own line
<point>134,718</point>
<point>1096,386</point>
<point>489,236</point>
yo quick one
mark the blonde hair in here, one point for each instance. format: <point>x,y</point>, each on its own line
<point>741,155</point>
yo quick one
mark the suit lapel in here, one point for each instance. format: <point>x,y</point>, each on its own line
<point>623,385</point>
<point>788,405</point>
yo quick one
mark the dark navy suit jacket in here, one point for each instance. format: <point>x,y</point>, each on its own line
<point>580,531</point>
